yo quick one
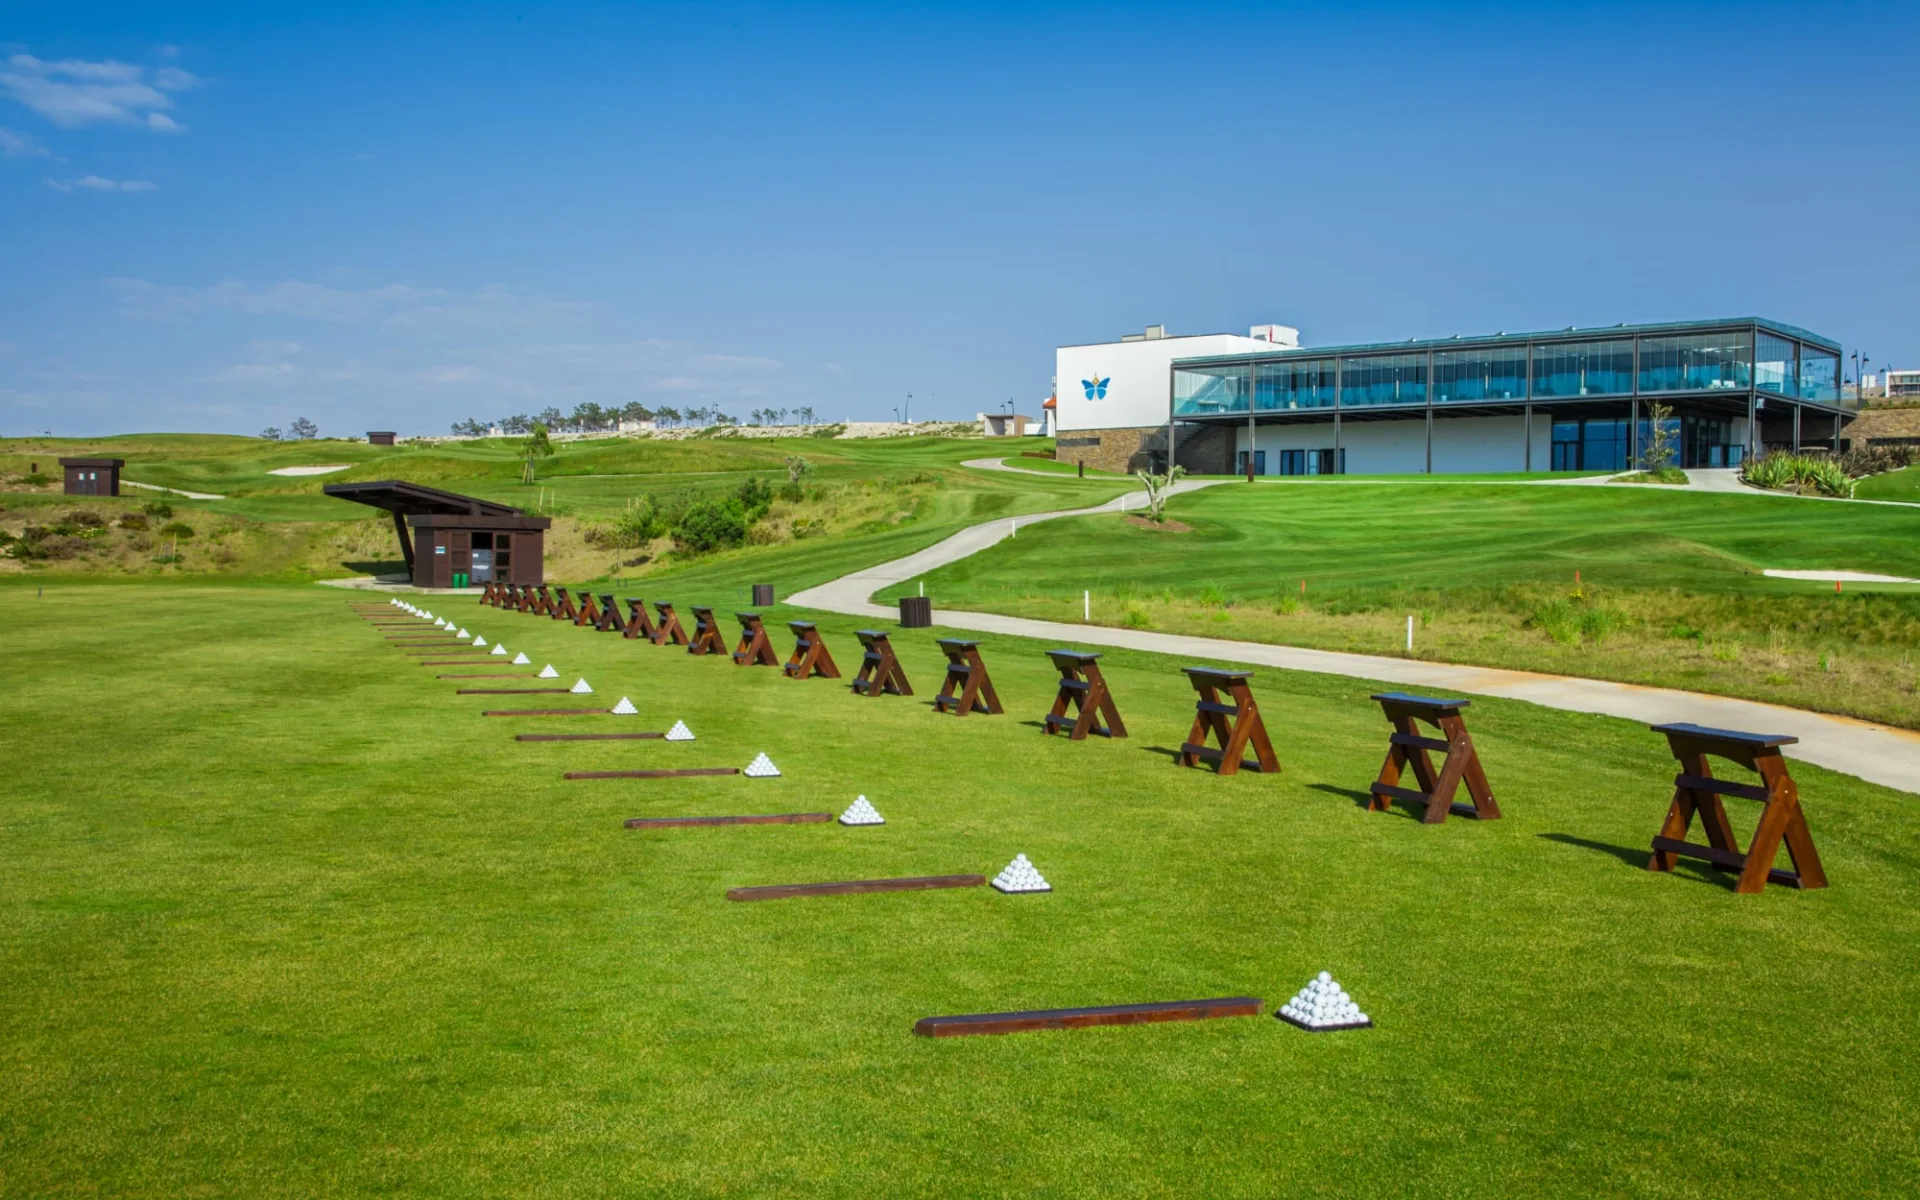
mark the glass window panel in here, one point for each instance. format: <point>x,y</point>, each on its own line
<point>1775,364</point>
<point>1383,379</point>
<point>1294,383</point>
<point>1198,391</point>
<point>1696,362</point>
<point>1467,375</point>
<point>1603,446</point>
<point>1819,375</point>
<point>1583,368</point>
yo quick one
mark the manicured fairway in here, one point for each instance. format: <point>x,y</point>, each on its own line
<point>281,914</point>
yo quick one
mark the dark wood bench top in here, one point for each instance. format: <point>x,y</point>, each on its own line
<point>1081,656</point>
<point>1706,733</point>
<point>958,643</point>
<point>1217,673</point>
<point>801,626</point>
<point>1421,701</point>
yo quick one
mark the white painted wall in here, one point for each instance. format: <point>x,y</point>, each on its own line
<point>1461,445</point>
<point>1139,375</point>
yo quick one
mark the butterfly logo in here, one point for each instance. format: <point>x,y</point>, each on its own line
<point>1096,387</point>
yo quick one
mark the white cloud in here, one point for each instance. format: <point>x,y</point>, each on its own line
<point>19,145</point>
<point>269,362</point>
<point>94,183</point>
<point>74,92</point>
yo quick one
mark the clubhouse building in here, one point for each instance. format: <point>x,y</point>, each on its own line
<point>1570,400</point>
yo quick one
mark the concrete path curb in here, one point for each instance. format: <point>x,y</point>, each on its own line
<point>1876,753</point>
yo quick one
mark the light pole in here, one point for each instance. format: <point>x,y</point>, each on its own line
<point>908,419</point>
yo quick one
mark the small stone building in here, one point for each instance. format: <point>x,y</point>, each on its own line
<point>380,437</point>
<point>92,476</point>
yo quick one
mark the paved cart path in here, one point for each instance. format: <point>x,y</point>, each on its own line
<point>1877,753</point>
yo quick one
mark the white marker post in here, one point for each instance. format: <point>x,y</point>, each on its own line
<point>1086,607</point>
<point>1409,633</point>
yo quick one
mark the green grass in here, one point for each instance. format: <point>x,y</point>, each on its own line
<point>1903,484</point>
<point>1672,579</point>
<point>312,925</point>
<point>1049,466</point>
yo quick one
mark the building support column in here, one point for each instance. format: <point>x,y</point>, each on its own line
<point>1339,464</point>
<point>1633,432</point>
<point>406,542</point>
<point>1526,456</point>
<point>1796,428</point>
<point>1250,439</point>
<point>1429,438</point>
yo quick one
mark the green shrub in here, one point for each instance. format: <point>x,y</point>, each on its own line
<point>1597,623</point>
<point>84,518</point>
<point>711,525</point>
<point>158,509</point>
<point>1135,619</point>
<point>755,496</point>
<point>635,527</point>
<point>133,521</point>
<point>176,529</point>
<point>1212,597</point>
<point>1559,620</point>
<point>1801,473</point>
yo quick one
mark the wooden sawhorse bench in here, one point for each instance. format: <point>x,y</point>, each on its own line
<point>1695,790</point>
<point>639,625</point>
<point>1083,688</point>
<point>754,650</point>
<point>563,609</point>
<point>1408,746</point>
<point>706,633</point>
<point>589,613</point>
<point>610,619</point>
<point>1210,716</point>
<point>966,688</point>
<point>810,655</point>
<point>879,670</point>
<point>542,602</point>
<point>668,631</point>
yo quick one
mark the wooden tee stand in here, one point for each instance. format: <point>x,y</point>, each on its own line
<point>589,613</point>
<point>563,609</point>
<point>669,630</point>
<point>880,671</point>
<point>966,688</point>
<point>706,633</point>
<point>1210,716</point>
<point>754,650</point>
<point>610,619</point>
<point>1408,746</point>
<point>810,655</point>
<point>1696,790</point>
<point>542,602</point>
<point>639,625</point>
<point>1082,686</point>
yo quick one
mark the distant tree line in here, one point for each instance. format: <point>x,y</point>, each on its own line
<point>302,430</point>
<point>594,418</point>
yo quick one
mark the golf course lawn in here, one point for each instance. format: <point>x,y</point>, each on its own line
<point>1659,586</point>
<point>282,914</point>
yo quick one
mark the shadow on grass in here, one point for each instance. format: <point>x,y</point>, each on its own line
<point>1637,859</point>
<point>376,568</point>
<point>1359,798</point>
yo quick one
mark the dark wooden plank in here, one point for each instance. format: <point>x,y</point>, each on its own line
<point>1729,859</point>
<point>1707,733</point>
<point>679,773</point>
<point>585,737</point>
<point>783,891</point>
<point>451,662</point>
<point>492,675</point>
<point>1720,787</point>
<point>1084,1018</point>
<point>546,712</point>
<point>1415,740</point>
<point>1412,700</point>
<point>559,691</point>
<point>1399,793</point>
<point>762,819</point>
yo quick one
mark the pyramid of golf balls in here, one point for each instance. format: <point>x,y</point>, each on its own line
<point>581,687</point>
<point>624,709</point>
<point>521,659</point>
<point>463,635</point>
<point>1322,1004</point>
<point>679,732</point>
<point>1020,876</point>
<point>478,641</point>
<point>547,672</point>
<point>761,767</point>
<point>860,812</point>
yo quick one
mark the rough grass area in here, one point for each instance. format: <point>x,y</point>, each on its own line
<point>1903,484</point>
<point>1669,589</point>
<point>281,914</point>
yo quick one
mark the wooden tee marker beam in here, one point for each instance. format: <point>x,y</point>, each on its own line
<point>610,619</point>
<point>922,883</point>
<point>762,819</point>
<point>587,737</point>
<point>542,602</point>
<point>880,671</point>
<point>639,625</point>
<point>754,650</point>
<point>966,688</point>
<point>1697,791</point>
<point>1084,1018</point>
<point>674,773</point>
<point>669,631</point>
<point>810,655</point>
<point>1210,717</point>
<point>706,633</point>
<point>1082,687</point>
<point>563,609</point>
<point>547,712</point>
<point>589,613</point>
<point>1407,746</point>
<point>541,691</point>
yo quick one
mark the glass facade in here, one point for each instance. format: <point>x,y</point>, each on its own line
<point>1819,375</point>
<point>1301,383</point>
<point>1383,379</point>
<point>1567,369</point>
<point>1697,362</point>
<point>1221,388</point>
<point>1776,366</point>
<point>1464,376</point>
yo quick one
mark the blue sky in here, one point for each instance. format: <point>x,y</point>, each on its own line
<point>398,216</point>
